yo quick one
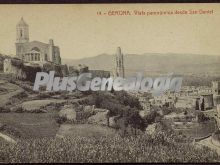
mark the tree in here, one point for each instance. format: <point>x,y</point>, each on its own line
<point>150,118</point>
<point>135,120</point>
<point>201,117</point>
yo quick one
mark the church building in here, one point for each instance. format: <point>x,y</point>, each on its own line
<point>34,51</point>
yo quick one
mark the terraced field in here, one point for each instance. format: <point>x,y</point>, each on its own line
<point>27,125</point>
<point>84,130</point>
<point>7,91</point>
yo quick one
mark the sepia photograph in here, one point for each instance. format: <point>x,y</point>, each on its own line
<point>110,83</point>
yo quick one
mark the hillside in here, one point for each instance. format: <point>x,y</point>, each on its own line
<point>154,63</point>
<point>40,134</point>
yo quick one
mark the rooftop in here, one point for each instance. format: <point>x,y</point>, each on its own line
<point>22,22</point>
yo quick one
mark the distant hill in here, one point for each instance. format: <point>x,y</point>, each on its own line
<point>155,63</point>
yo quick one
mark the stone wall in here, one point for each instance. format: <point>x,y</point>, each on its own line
<point>1,63</point>
<point>27,71</point>
<point>76,70</point>
<point>100,73</point>
<point>64,70</point>
<point>49,66</point>
<point>73,71</point>
<point>14,65</point>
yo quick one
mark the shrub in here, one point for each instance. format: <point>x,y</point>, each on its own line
<point>5,109</point>
<point>43,95</point>
<point>152,116</point>
<point>119,104</point>
<point>60,119</point>
<point>18,109</point>
<point>202,117</point>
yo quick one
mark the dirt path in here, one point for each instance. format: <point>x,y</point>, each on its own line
<point>208,142</point>
<point>7,138</point>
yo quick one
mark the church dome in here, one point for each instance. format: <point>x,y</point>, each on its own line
<point>22,22</point>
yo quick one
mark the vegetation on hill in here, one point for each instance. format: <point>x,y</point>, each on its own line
<point>37,140</point>
<point>160,147</point>
<point>120,104</point>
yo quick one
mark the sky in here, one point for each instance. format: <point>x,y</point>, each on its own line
<point>80,32</point>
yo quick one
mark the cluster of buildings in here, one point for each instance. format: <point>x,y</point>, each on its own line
<point>195,99</point>
<point>198,98</point>
<point>35,56</point>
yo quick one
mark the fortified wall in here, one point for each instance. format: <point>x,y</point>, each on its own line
<point>27,71</point>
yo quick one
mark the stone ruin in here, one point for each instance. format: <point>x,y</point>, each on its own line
<point>27,70</point>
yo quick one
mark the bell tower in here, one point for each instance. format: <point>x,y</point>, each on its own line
<point>22,37</point>
<point>22,31</point>
<point>119,61</point>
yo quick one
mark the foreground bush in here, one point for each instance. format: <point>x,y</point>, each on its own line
<point>145,148</point>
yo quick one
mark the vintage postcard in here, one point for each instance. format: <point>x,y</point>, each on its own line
<point>115,83</point>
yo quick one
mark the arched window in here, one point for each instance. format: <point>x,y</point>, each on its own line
<point>46,57</point>
<point>36,49</point>
<point>38,57</point>
<point>32,57</point>
<point>35,55</point>
<point>21,33</point>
